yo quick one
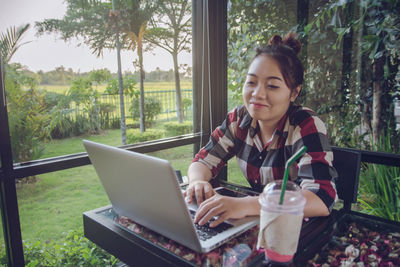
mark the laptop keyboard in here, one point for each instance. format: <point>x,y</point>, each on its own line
<point>205,231</point>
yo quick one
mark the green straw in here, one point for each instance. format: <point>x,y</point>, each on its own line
<point>286,174</point>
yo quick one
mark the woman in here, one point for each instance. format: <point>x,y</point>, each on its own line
<point>263,134</point>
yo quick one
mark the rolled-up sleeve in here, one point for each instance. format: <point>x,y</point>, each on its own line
<point>315,168</point>
<point>220,148</point>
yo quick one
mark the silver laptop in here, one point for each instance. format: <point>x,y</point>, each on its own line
<point>146,190</point>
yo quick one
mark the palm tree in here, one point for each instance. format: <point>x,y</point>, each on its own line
<point>10,41</point>
<point>134,23</point>
<point>136,42</point>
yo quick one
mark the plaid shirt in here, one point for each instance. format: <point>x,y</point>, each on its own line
<point>239,135</point>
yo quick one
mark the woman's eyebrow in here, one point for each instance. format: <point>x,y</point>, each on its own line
<point>268,78</point>
<point>273,78</point>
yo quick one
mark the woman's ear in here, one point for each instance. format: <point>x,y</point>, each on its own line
<point>295,93</point>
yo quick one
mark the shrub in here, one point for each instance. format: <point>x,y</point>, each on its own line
<point>73,250</point>
<point>186,103</point>
<point>128,84</point>
<point>133,125</point>
<point>28,120</point>
<point>380,186</point>
<point>176,128</point>
<point>152,108</point>
<point>135,136</point>
<point>115,123</point>
<point>105,110</point>
<point>52,99</point>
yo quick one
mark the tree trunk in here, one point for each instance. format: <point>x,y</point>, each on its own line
<point>121,94</point>
<point>178,94</point>
<point>120,85</point>
<point>142,117</point>
<point>376,98</point>
<point>363,107</point>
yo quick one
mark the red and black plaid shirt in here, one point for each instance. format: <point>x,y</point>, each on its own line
<point>239,135</point>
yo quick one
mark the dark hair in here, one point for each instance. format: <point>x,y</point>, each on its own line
<point>285,52</point>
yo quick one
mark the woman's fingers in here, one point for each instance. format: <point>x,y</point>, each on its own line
<point>200,191</point>
<point>221,207</point>
<point>207,211</point>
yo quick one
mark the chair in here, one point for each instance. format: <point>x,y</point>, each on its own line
<point>347,163</point>
<point>317,231</point>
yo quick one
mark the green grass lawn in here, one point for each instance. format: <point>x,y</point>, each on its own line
<point>148,86</point>
<point>54,203</point>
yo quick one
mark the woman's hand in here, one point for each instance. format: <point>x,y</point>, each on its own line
<point>199,190</point>
<point>222,206</point>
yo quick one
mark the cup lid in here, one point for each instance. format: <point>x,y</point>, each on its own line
<point>293,195</point>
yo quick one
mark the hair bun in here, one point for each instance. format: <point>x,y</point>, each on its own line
<point>275,40</point>
<point>290,40</point>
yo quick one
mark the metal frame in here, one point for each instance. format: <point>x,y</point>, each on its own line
<point>9,203</point>
<point>216,43</point>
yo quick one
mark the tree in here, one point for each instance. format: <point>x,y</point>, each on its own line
<point>11,41</point>
<point>370,97</point>
<point>171,30</point>
<point>250,25</point>
<point>92,22</point>
<point>132,18</point>
<point>27,121</point>
<point>99,76</point>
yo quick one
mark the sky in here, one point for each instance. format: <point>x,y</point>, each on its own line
<point>46,52</point>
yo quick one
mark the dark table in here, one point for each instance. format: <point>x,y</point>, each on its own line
<point>136,247</point>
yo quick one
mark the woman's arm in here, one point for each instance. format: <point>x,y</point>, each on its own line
<point>199,187</point>
<point>226,208</point>
<point>314,205</point>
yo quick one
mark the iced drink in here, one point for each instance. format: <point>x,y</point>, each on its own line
<point>280,225</point>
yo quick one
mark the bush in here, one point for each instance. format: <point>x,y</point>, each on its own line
<point>186,103</point>
<point>133,125</point>
<point>28,119</point>
<point>152,108</point>
<point>52,99</point>
<point>106,120</point>
<point>176,128</point>
<point>73,250</point>
<point>135,136</point>
<point>380,186</point>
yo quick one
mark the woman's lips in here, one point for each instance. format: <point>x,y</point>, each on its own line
<point>258,105</point>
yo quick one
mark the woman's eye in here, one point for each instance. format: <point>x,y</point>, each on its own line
<point>272,86</point>
<point>250,82</point>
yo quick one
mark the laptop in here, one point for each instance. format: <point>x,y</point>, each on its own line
<point>146,190</point>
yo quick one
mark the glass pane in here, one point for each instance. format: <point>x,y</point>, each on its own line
<point>51,207</point>
<point>62,82</point>
<point>52,204</point>
<point>379,189</point>
<point>235,175</point>
<point>2,243</point>
<point>251,25</point>
<point>180,157</point>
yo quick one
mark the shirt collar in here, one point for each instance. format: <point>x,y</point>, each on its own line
<point>282,123</point>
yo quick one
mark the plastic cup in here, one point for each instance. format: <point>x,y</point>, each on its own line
<point>280,225</point>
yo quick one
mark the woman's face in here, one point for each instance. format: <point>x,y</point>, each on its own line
<point>265,93</point>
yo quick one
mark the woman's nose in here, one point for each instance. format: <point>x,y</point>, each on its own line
<point>259,92</point>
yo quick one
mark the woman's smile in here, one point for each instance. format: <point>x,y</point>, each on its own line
<point>258,105</point>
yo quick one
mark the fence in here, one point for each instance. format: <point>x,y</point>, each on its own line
<point>167,99</point>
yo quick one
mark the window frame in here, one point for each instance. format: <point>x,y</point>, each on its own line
<point>216,66</point>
